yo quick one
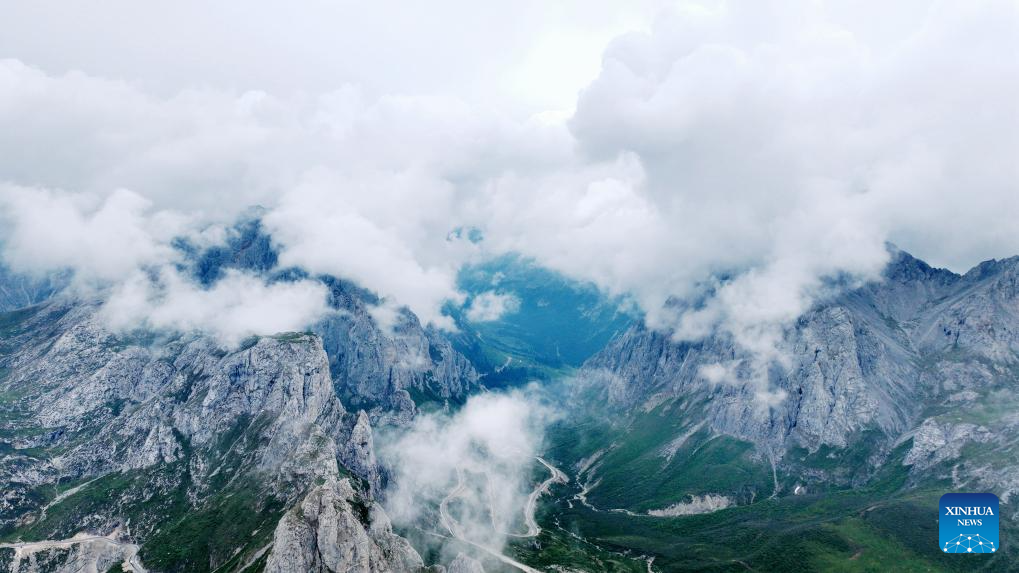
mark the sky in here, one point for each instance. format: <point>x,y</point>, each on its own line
<point>527,56</point>
<point>652,149</point>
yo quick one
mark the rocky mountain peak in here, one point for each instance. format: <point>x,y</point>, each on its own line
<point>333,530</point>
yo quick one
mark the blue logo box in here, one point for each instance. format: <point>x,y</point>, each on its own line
<point>968,523</point>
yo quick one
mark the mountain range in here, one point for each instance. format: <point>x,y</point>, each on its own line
<point>170,452</point>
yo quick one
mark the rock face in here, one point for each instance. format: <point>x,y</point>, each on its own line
<point>332,530</point>
<point>374,367</point>
<point>80,553</point>
<point>99,429</point>
<point>188,417</point>
<point>106,405</point>
<point>465,564</point>
<point>188,424</point>
<point>118,407</point>
<point>378,370</point>
<point>866,371</point>
<point>697,505</point>
<point>19,291</point>
<point>359,455</point>
<point>934,443</point>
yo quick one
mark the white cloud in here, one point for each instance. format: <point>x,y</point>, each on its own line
<point>100,238</point>
<point>235,307</point>
<point>490,305</point>
<point>718,373</point>
<point>119,248</point>
<point>345,227</point>
<point>738,154</point>
<point>778,145</point>
<point>492,441</point>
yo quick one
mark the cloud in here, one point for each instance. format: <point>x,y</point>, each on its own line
<point>759,125</point>
<point>198,150</point>
<point>235,307</point>
<point>490,305</point>
<point>718,372</point>
<point>741,158</point>
<point>326,225</point>
<point>361,189</point>
<point>99,238</point>
<point>725,168</point>
<point>752,373</point>
<point>120,249</point>
<point>490,443</point>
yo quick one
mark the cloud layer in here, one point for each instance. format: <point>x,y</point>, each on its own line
<point>120,249</point>
<point>734,157</point>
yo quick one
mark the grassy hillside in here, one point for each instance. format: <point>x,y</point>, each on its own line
<point>865,530</point>
<point>891,524</point>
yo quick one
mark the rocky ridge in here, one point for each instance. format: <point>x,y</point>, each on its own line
<point>924,359</point>
<point>171,435</point>
<point>333,530</point>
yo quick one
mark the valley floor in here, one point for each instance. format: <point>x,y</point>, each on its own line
<point>844,531</point>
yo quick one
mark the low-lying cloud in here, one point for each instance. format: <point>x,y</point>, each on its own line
<point>99,238</point>
<point>480,459</point>
<point>490,305</point>
<point>120,249</point>
<point>235,307</point>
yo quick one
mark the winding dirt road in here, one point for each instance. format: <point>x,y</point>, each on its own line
<point>24,548</point>
<point>529,508</point>
<point>532,500</point>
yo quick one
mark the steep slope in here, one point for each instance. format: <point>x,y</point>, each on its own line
<point>333,530</point>
<point>193,453</point>
<point>385,370</point>
<point>873,360</point>
<point>192,447</point>
<point>891,394</point>
<point>389,372</point>
<point>20,290</point>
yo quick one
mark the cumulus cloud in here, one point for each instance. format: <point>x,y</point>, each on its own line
<point>198,150</point>
<point>763,128</point>
<point>718,372</point>
<point>120,249</point>
<point>100,238</point>
<point>235,307</point>
<point>740,158</point>
<point>368,190</point>
<point>325,226</point>
<point>725,168</point>
<point>479,460</point>
<point>490,305</point>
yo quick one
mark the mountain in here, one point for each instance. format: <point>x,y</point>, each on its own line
<point>170,450</point>
<point>19,290</point>
<point>383,372</point>
<point>893,393</point>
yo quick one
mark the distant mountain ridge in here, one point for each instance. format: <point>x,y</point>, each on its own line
<point>262,457</point>
<point>872,358</point>
<point>895,392</point>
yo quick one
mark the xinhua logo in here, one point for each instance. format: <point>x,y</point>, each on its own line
<point>968,523</point>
